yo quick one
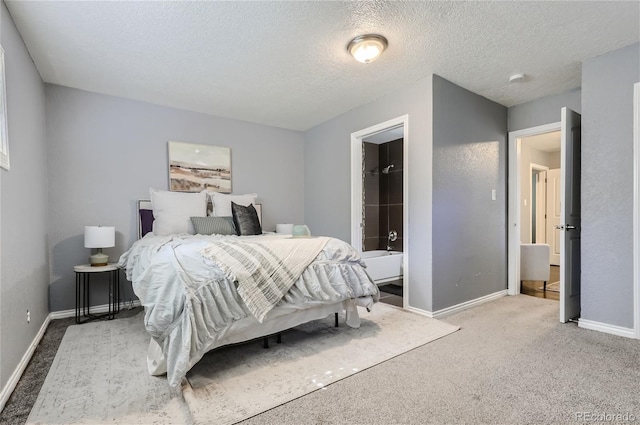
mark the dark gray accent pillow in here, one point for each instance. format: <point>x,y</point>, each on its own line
<point>246,220</point>
<point>213,225</point>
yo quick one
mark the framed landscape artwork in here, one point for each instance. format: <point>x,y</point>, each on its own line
<point>193,168</point>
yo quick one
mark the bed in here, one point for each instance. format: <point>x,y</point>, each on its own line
<point>197,299</point>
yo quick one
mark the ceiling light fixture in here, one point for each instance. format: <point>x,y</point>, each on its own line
<point>367,48</point>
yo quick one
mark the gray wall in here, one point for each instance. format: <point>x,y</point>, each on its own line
<point>23,204</point>
<point>327,176</point>
<point>105,152</point>
<point>606,103</point>
<point>469,228</point>
<point>543,111</point>
<point>607,186</point>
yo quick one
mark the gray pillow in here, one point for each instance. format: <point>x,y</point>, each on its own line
<point>246,220</point>
<point>213,225</point>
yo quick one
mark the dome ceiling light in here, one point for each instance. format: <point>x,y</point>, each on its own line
<point>367,48</point>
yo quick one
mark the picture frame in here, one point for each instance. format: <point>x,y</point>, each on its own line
<point>194,167</point>
<point>4,133</point>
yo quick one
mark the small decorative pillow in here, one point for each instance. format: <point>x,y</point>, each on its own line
<point>213,225</point>
<point>246,220</point>
<point>146,221</point>
<point>222,202</point>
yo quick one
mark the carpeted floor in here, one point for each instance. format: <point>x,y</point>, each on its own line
<point>512,362</point>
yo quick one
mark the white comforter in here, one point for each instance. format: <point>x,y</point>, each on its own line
<point>190,304</point>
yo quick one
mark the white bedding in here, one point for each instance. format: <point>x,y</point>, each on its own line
<point>192,307</point>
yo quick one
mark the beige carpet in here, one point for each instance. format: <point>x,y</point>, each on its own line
<point>99,373</point>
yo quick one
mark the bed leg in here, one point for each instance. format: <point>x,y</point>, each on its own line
<point>279,338</point>
<point>265,342</point>
<point>336,316</point>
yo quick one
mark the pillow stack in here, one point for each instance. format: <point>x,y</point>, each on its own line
<point>186,212</point>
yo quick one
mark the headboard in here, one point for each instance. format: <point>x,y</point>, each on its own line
<point>145,216</point>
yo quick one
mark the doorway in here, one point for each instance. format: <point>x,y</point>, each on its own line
<point>379,205</point>
<point>570,217</point>
<point>540,205</point>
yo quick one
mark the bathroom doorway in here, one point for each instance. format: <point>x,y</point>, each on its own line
<point>379,205</point>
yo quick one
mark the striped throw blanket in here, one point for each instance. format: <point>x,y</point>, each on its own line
<point>264,269</point>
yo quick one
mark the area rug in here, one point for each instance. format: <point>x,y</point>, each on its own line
<point>553,287</point>
<point>99,374</point>
<point>238,382</point>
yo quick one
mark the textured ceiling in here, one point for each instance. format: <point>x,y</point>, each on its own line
<point>285,63</point>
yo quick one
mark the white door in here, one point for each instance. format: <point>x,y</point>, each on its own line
<point>571,216</point>
<point>553,214</point>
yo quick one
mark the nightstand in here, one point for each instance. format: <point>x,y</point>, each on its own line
<point>83,290</point>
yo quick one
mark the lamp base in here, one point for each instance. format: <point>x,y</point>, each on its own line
<point>99,259</point>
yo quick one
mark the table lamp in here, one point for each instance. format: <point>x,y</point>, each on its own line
<point>99,237</point>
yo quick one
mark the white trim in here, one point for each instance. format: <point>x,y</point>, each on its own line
<point>356,191</point>
<point>420,311</point>
<point>459,307</point>
<point>4,132</point>
<point>636,209</point>
<point>606,328</point>
<point>104,308</point>
<point>7,390</point>
<point>513,224</point>
<point>468,304</point>
<point>405,212</point>
<point>537,167</point>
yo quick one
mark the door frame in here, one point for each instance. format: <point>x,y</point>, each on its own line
<point>356,190</point>
<point>515,148</point>
<point>636,208</point>
<point>537,167</point>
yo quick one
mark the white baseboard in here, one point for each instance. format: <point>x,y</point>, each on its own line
<point>607,328</point>
<point>63,314</point>
<point>468,304</point>
<point>458,307</point>
<point>7,390</point>
<point>420,311</point>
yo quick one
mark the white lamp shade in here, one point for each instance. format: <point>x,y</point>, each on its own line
<point>99,237</point>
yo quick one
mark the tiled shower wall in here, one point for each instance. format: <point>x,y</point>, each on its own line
<point>382,194</point>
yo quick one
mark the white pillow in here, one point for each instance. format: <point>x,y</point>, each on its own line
<point>173,211</point>
<point>222,202</point>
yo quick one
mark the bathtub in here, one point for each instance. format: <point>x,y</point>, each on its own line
<point>383,266</point>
